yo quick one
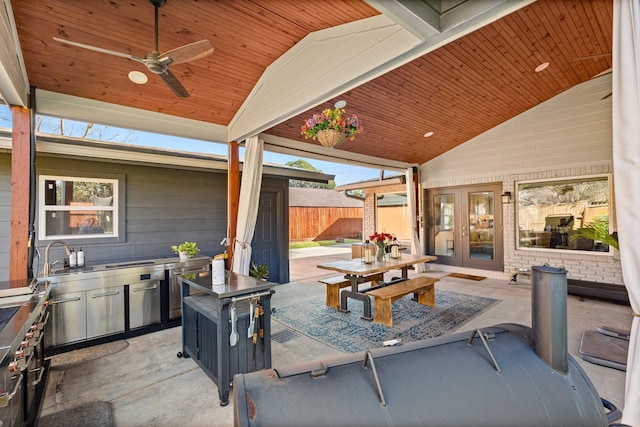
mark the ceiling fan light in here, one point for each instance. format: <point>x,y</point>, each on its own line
<point>138,77</point>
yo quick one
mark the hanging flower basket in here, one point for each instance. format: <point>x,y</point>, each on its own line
<point>331,127</point>
<point>330,137</point>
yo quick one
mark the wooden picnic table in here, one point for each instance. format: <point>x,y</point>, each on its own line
<point>356,269</point>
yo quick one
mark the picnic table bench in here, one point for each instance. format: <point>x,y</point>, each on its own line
<point>384,297</point>
<point>335,283</point>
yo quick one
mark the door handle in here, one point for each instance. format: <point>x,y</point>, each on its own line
<point>61,301</point>
<point>106,294</point>
<point>149,288</point>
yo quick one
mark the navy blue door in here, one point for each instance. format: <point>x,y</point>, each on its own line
<point>265,243</point>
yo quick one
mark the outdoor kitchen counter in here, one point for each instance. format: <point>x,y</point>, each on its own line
<point>235,284</point>
<point>226,329</point>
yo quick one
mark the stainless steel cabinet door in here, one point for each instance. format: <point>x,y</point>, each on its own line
<point>68,322</point>
<point>105,311</point>
<point>144,304</point>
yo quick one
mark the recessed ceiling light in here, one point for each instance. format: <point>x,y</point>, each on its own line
<point>138,77</point>
<point>541,67</point>
<point>340,104</point>
<point>428,134</point>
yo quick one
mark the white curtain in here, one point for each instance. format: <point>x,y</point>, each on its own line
<point>416,248</point>
<point>248,205</point>
<point>626,175</point>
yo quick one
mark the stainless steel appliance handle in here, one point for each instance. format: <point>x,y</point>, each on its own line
<point>149,288</point>
<point>60,301</point>
<point>43,321</point>
<point>106,294</point>
<point>37,381</point>
<point>6,397</point>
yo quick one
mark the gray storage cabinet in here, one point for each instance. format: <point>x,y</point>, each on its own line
<point>206,328</point>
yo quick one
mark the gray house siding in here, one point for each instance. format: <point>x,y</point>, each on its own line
<point>162,206</point>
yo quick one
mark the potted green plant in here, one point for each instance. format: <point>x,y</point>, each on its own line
<point>598,231</point>
<point>260,272</point>
<point>186,250</point>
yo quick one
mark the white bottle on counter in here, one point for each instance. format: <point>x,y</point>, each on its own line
<point>73,259</point>
<point>80,258</point>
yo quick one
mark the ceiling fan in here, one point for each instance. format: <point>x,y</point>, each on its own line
<point>605,72</point>
<point>156,62</point>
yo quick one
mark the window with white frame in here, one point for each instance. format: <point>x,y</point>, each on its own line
<point>77,207</point>
<point>553,214</point>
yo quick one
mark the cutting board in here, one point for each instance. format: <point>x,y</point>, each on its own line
<point>12,292</point>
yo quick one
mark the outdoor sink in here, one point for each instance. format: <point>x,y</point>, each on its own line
<point>67,270</point>
<point>129,264</point>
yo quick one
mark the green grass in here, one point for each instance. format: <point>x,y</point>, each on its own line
<point>297,245</point>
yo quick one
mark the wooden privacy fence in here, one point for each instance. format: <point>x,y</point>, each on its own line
<point>325,223</point>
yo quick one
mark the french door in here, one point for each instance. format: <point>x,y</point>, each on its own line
<point>465,226</point>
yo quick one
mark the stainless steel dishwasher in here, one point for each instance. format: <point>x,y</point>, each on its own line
<point>144,297</point>
<point>195,264</point>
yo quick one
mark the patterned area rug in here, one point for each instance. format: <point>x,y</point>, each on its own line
<point>411,321</point>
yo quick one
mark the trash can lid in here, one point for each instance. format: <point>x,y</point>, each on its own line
<point>548,269</point>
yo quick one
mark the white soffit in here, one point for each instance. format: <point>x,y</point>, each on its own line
<point>14,84</point>
<point>88,110</point>
<point>315,69</point>
<point>280,145</point>
<point>322,65</point>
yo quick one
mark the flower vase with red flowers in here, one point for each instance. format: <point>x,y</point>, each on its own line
<point>381,240</point>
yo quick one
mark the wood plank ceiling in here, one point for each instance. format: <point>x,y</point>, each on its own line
<point>457,91</point>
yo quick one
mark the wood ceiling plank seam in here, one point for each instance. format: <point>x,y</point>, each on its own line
<point>456,84</point>
<point>425,108</point>
<point>600,17</point>
<point>102,28</point>
<point>547,52</point>
<point>569,31</point>
<point>560,69</point>
<point>535,47</point>
<point>604,17</point>
<point>504,65</point>
<point>521,77</point>
<point>583,68</point>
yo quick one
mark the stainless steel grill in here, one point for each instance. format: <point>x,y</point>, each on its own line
<point>497,376</point>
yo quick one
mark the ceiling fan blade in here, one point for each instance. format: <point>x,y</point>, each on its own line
<point>596,56</point>
<point>174,84</point>
<point>189,52</point>
<point>99,49</point>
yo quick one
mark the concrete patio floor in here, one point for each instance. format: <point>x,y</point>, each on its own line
<point>146,384</point>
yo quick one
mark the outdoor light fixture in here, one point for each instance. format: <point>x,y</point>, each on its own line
<point>138,78</point>
<point>340,104</point>
<point>506,197</point>
<point>428,134</point>
<point>541,67</point>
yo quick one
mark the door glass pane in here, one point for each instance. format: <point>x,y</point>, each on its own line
<point>481,225</point>
<point>444,224</point>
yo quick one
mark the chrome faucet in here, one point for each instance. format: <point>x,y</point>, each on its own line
<point>47,266</point>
